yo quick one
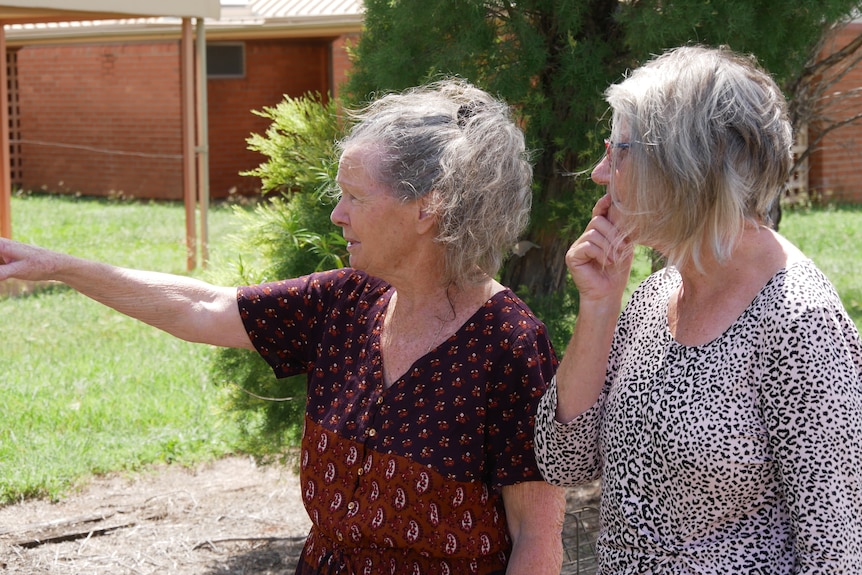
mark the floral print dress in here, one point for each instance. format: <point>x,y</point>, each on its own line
<point>404,479</point>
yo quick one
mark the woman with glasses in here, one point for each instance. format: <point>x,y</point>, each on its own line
<point>723,407</point>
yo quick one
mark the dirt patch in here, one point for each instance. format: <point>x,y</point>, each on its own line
<point>226,517</point>
<point>229,517</point>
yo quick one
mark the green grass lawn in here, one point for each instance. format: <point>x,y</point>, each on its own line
<point>87,390</point>
<point>832,238</point>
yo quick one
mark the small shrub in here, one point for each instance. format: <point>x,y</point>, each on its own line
<point>287,234</point>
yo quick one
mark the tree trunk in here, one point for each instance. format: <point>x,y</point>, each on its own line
<point>542,269</point>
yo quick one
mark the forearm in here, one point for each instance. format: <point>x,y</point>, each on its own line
<point>184,307</point>
<point>599,262</point>
<point>535,512</point>
<point>536,556</point>
<point>179,305</point>
<point>581,374</point>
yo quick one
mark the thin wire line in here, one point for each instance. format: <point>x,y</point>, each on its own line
<point>263,398</point>
<point>99,150</point>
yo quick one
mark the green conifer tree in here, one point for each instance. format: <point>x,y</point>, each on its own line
<point>552,60</point>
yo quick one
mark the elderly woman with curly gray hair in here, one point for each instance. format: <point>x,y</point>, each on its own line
<point>723,408</point>
<point>424,373</point>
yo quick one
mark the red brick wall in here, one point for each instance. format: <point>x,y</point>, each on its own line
<point>98,119</point>
<point>93,117</point>
<point>836,164</point>
<point>340,61</point>
<point>273,68</point>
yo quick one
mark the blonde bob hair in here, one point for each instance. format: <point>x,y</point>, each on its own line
<point>460,147</point>
<point>710,149</point>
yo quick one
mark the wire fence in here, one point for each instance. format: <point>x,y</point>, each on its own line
<point>580,530</point>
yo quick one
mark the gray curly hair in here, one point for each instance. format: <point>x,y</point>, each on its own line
<point>459,146</point>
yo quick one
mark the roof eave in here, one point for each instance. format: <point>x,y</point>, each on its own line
<point>296,27</point>
<point>169,28</point>
<point>23,11</point>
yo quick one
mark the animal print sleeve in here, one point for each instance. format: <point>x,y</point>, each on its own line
<point>567,453</point>
<point>811,401</point>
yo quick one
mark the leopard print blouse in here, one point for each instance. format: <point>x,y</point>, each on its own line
<point>743,455</point>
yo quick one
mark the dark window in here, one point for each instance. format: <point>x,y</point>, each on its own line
<point>225,60</point>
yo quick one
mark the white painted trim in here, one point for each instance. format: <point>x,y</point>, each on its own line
<point>139,8</point>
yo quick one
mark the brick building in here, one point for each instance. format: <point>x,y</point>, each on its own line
<point>96,107</point>
<point>835,163</point>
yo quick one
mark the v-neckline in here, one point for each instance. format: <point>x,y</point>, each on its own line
<point>378,348</point>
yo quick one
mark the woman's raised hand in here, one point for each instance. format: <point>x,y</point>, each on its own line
<point>600,259</point>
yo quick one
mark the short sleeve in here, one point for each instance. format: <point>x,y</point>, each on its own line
<point>286,320</point>
<point>514,392</point>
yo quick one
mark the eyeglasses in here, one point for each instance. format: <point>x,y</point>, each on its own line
<point>609,146</point>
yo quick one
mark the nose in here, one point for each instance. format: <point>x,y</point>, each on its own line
<point>339,215</point>
<point>602,172</point>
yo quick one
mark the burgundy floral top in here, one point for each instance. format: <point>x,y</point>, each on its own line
<point>405,479</point>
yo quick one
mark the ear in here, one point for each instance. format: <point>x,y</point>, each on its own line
<point>425,221</point>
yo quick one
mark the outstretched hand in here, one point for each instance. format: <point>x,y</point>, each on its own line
<point>26,262</point>
<point>600,259</point>
<point>185,307</point>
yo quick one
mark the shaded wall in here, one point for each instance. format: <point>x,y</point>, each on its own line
<point>273,68</point>
<point>341,63</point>
<point>101,119</point>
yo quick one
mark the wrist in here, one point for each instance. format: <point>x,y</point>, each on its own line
<point>605,307</point>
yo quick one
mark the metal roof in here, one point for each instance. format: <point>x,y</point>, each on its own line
<point>299,8</point>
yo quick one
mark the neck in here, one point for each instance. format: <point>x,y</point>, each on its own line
<point>444,302</point>
<point>756,252</point>
<point>708,301</point>
<point>419,318</point>
<point>418,272</point>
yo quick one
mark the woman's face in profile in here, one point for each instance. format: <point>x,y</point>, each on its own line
<point>611,172</point>
<point>378,227</point>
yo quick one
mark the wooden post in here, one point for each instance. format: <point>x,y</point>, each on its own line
<point>5,169</point>
<point>187,97</point>
<point>203,139</point>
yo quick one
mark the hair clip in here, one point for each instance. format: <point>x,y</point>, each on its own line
<point>467,111</point>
